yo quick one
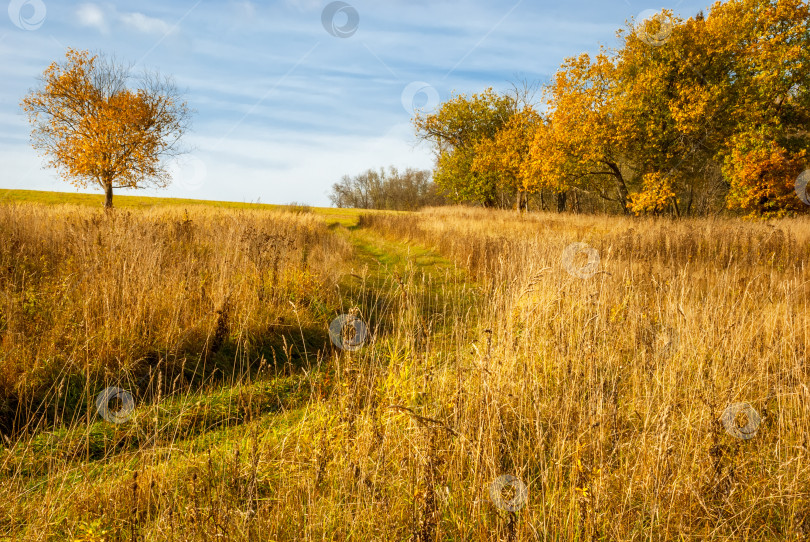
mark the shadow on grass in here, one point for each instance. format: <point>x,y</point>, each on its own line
<point>278,352</point>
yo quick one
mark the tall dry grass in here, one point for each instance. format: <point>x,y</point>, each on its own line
<point>603,395</point>
<point>88,299</point>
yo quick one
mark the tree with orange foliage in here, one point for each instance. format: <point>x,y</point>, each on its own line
<point>763,175</point>
<point>727,89</point>
<point>95,129</point>
<point>655,196</point>
<point>583,148</point>
<point>683,111</point>
<point>769,42</point>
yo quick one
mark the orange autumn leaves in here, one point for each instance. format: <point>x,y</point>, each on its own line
<point>763,175</point>
<point>653,124</point>
<point>95,130</point>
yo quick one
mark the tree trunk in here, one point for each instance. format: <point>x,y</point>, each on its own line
<point>522,201</point>
<point>561,198</point>
<point>108,195</point>
<point>689,203</point>
<point>621,187</point>
<point>542,201</point>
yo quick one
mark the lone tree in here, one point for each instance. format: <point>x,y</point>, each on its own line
<point>95,129</point>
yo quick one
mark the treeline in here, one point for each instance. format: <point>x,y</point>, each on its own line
<point>409,190</point>
<point>686,117</point>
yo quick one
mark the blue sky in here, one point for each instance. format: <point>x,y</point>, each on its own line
<point>288,99</point>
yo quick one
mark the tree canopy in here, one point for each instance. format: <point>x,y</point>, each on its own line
<point>95,129</point>
<point>710,111</point>
<point>455,130</point>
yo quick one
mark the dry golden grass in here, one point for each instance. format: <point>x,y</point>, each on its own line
<point>603,395</point>
<point>85,296</point>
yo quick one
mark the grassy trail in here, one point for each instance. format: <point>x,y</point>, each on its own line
<point>426,283</point>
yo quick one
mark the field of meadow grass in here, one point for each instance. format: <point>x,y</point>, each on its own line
<point>648,383</point>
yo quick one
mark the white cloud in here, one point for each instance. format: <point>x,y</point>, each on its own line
<point>94,16</point>
<point>91,15</point>
<point>279,167</point>
<point>145,24</point>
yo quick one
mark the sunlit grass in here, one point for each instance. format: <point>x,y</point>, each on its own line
<point>485,358</point>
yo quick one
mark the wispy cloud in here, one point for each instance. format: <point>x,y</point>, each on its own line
<point>145,24</point>
<point>102,18</point>
<point>246,8</point>
<point>304,5</point>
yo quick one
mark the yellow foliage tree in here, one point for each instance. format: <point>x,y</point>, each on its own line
<point>679,103</point>
<point>723,89</point>
<point>769,41</point>
<point>94,129</point>
<point>583,147</point>
<point>655,196</point>
<point>507,155</point>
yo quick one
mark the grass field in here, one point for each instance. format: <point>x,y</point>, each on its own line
<point>652,385</point>
<point>126,202</point>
